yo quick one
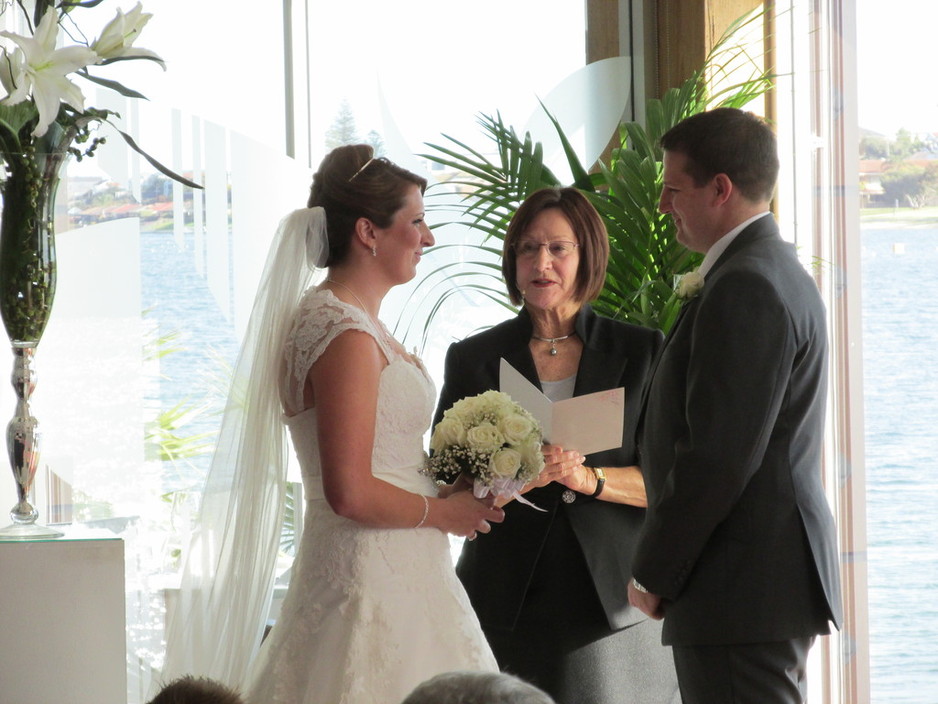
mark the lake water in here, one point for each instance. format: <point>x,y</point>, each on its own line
<point>900,319</point>
<point>900,383</point>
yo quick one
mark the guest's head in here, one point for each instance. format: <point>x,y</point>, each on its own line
<point>720,169</point>
<point>555,251</point>
<point>196,690</point>
<point>476,688</point>
<point>351,184</point>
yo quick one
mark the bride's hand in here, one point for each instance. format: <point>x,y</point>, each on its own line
<point>462,483</point>
<point>464,515</point>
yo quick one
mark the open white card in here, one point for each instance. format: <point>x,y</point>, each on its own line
<point>590,423</point>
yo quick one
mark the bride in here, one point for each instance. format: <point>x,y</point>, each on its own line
<point>374,606</point>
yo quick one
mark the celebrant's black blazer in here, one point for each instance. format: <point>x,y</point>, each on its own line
<point>496,567</point>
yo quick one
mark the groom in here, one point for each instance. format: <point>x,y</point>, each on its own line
<point>738,552</point>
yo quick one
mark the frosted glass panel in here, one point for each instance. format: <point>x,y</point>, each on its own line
<point>410,74</point>
<point>156,279</point>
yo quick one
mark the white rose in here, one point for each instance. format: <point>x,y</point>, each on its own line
<point>485,437</point>
<point>505,463</point>
<point>494,398</point>
<point>448,431</point>
<point>496,403</point>
<point>532,458</point>
<point>471,405</point>
<point>515,427</point>
<point>688,285</point>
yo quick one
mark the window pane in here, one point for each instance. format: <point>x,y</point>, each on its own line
<point>898,112</point>
<point>156,280</point>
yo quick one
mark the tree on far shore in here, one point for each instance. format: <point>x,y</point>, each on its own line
<point>911,184</point>
<point>342,130</point>
<point>904,145</point>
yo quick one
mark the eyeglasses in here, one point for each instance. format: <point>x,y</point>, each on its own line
<point>558,249</point>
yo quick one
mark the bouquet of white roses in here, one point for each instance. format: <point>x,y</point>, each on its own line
<point>491,439</point>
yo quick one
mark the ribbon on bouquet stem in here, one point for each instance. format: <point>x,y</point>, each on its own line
<point>504,488</point>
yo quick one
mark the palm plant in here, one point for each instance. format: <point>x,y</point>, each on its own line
<point>644,253</point>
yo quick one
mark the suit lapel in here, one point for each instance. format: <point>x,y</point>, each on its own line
<point>764,227</point>
<point>517,352</point>
<point>654,365</point>
<point>520,358</point>
<point>598,370</point>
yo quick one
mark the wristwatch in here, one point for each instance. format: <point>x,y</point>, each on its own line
<point>600,480</point>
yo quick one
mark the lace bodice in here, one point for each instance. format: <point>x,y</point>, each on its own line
<point>405,395</point>
<point>370,612</point>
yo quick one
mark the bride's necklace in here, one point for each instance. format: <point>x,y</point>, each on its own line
<point>364,308</point>
<point>552,341</point>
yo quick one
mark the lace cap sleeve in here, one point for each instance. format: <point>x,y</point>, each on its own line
<point>319,319</point>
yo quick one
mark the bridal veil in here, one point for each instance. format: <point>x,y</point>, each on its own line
<point>215,626</point>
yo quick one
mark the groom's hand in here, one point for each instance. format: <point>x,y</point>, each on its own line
<point>646,602</point>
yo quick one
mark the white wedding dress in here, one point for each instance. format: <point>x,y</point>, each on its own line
<point>370,613</point>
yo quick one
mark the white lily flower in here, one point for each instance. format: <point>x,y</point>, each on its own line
<point>43,71</point>
<point>11,66</point>
<point>116,41</point>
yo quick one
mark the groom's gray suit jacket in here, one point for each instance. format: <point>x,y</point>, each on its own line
<point>738,536</point>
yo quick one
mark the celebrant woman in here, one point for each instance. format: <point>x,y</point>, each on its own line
<point>374,606</point>
<point>550,587</point>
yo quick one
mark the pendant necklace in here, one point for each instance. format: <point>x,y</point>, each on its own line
<point>365,310</point>
<point>552,340</point>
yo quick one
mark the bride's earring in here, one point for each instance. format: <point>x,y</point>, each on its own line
<point>374,251</point>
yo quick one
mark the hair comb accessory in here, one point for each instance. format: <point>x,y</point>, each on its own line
<point>362,168</point>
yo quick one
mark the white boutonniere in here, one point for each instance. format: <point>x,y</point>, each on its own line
<point>688,285</point>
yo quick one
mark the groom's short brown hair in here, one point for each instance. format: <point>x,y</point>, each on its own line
<point>728,141</point>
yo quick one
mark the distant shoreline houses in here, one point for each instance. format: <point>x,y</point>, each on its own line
<point>871,181</point>
<point>92,199</point>
<point>898,172</point>
<point>95,214</point>
<point>915,182</point>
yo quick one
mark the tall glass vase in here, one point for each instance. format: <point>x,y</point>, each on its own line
<point>27,288</point>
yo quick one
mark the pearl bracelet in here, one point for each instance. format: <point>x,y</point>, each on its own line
<point>426,512</point>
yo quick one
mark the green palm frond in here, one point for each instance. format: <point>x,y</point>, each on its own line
<point>497,186</point>
<point>165,441</point>
<point>644,253</point>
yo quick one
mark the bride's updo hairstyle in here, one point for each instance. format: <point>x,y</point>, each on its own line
<point>352,183</point>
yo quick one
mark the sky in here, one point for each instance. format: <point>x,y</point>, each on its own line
<point>438,77</point>
<point>441,79</point>
<point>897,81</point>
